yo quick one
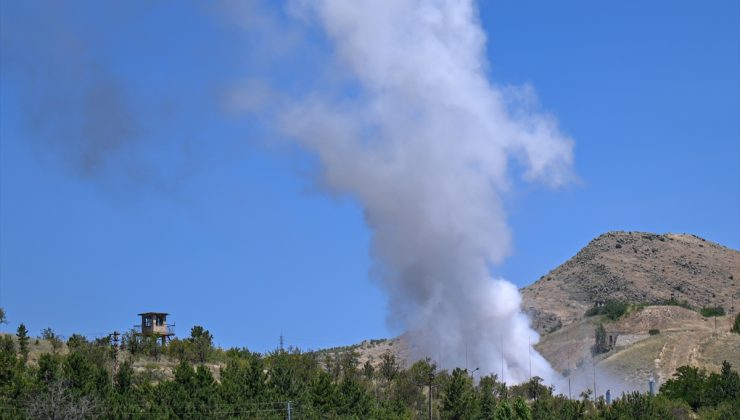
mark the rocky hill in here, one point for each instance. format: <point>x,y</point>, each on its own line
<point>638,268</point>
<point>651,339</point>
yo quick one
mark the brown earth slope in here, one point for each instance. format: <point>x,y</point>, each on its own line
<point>644,270</point>
<point>680,337</point>
<point>635,267</point>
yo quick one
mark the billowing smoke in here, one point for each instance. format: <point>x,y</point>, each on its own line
<point>424,144</point>
<point>416,133</point>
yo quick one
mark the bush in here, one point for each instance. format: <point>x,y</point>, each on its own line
<point>613,309</point>
<point>654,331</point>
<point>710,311</point>
<point>723,411</point>
<point>595,310</point>
<point>736,325</point>
<point>673,302</point>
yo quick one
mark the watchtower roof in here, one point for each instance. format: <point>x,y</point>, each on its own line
<point>153,313</point>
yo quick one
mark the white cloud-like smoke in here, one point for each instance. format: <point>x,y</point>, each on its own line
<point>424,145</point>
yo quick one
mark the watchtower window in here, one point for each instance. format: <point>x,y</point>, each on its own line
<point>160,321</point>
<point>147,322</point>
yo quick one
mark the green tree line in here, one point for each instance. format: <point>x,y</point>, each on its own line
<point>237,383</point>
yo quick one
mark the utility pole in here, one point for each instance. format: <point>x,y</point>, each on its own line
<point>569,368</point>
<point>289,411</point>
<point>501,338</point>
<point>593,363</point>
<point>529,349</point>
<point>431,380</point>
<point>281,342</point>
<point>570,397</point>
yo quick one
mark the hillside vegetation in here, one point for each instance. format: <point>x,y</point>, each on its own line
<point>80,379</point>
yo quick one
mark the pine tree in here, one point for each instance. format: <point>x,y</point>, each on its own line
<point>487,398</point>
<point>459,399</point>
<point>600,338</point>
<point>202,343</point>
<point>22,334</point>
<point>368,370</point>
<point>388,366</point>
<point>521,409</point>
<point>503,411</point>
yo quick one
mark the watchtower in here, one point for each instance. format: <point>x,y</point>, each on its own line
<point>155,324</point>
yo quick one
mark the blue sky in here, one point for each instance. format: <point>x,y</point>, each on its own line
<point>127,184</point>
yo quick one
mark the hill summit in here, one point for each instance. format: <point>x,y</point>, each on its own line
<point>637,268</point>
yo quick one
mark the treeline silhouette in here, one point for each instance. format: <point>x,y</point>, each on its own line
<point>89,379</point>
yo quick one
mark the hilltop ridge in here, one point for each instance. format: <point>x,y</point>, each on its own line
<point>638,268</point>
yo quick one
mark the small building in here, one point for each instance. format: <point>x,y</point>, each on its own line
<point>611,337</point>
<point>155,324</point>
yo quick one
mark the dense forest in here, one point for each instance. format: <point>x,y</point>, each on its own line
<point>81,378</point>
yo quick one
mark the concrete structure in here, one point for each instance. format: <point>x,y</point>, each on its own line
<point>611,337</point>
<point>155,324</point>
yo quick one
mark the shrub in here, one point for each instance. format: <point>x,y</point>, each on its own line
<point>710,311</point>
<point>654,331</point>
<point>736,325</point>
<point>723,411</point>
<point>613,309</point>
<point>595,310</point>
<point>674,302</point>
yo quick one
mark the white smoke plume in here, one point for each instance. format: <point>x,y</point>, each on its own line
<point>424,144</point>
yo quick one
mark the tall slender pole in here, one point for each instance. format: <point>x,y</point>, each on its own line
<point>289,411</point>
<point>466,354</point>
<point>569,368</point>
<point>530,357</point>
<point>570,397</point>
<point>594,365</point>
<point>501,339</point>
